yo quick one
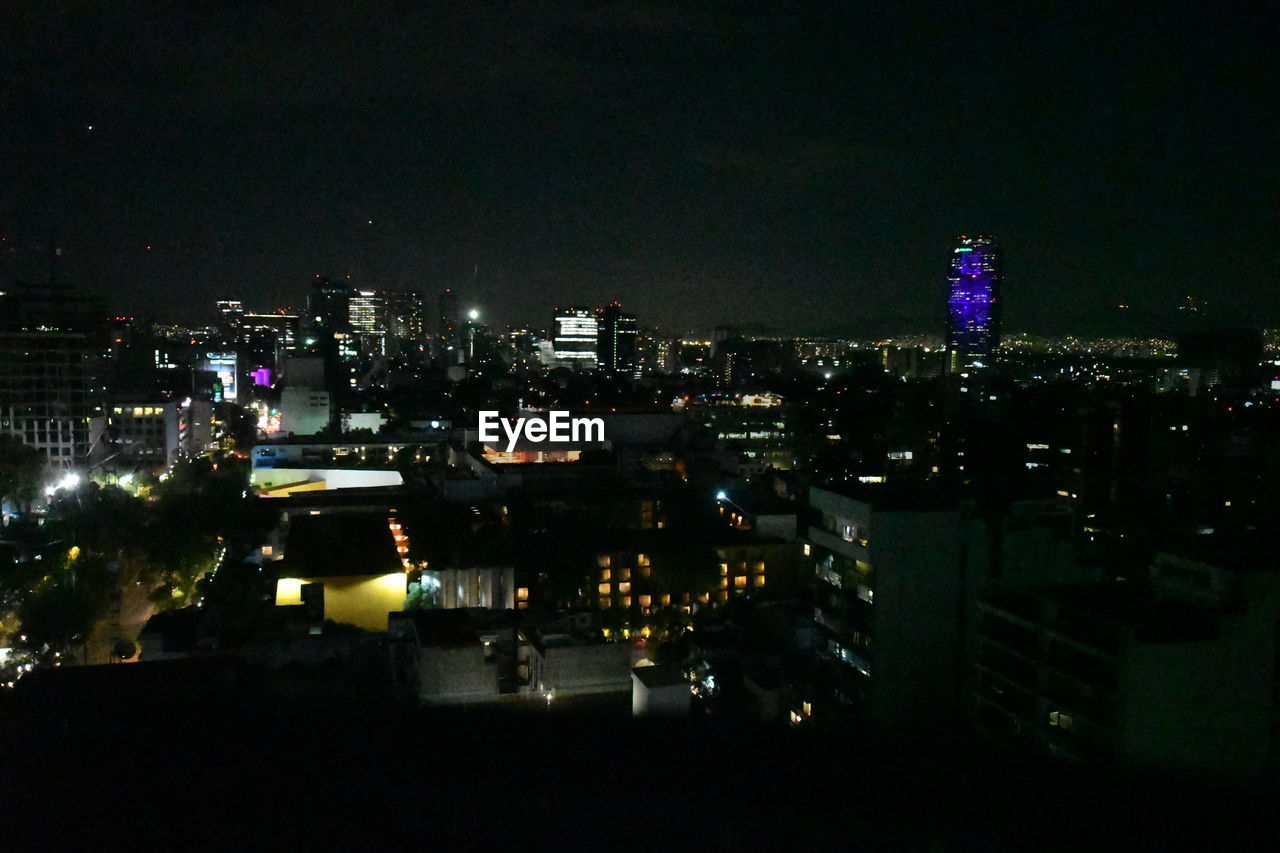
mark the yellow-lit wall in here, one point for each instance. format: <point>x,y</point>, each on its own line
<point>355,599</point>
<point>289,591</point>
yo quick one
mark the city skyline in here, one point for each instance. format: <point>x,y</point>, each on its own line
<point>817,156</point>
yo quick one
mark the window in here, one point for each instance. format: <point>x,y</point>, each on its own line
<point>604,561</point>
<point>523,593</point>
<point>807,549</point>
<point>724,569</point>
<point>624,587</point>
<point>646,601</point>
<point>758,580</point>
<point>605,589</point>
<point>740,582</point>
<point>642,559</point>
<point>759,567</point>
<point>626,601</point>
<point>666,599</point>
<point>605,574</point>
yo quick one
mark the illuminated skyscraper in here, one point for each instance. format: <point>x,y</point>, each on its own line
<point>231,313</point>
<point>616,351</point>
<point>973,303</point>
<point>367,313</point>
<point>575,336</point>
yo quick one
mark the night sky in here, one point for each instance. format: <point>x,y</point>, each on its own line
<point>787,166</point>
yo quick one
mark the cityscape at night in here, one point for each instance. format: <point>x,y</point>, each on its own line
<point>638,425</point>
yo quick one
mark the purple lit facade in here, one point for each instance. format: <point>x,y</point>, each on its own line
<point>973,302</point>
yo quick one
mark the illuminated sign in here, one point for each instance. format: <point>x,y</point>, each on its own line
<point>223,364</point>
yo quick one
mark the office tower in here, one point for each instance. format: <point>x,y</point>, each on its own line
<point>328,332</point>
<point>51,349</point>
<point>230,314</point>
<point>616,351</point>
<point>367,314</point>
<point>448,320</point>
<point>406,319</point>
<point>973,303</point>
<point>266,339</point>
<point>328,304</point>
<point>575,336</point>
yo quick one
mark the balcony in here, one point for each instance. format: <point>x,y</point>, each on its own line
<point>835,543</point>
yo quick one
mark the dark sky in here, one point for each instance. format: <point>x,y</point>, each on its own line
<point>799,166</point>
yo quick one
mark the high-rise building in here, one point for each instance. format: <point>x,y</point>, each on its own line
<point>328,333</point>
<point>329,305</point>
<point>51,352</point>
<point>367,314</point>
<point>230,314</point>
<point>616,351</point>
<point>406,319</point>
<point>575,336</point>
<point>448,320</point>
<point>265,339</point>
<point>973,303</point>
<point>888,596</point>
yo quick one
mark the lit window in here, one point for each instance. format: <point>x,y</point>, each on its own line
<point>807,550</point>
<point>646,601</point>
<point>626,601</point>
<point>666,599</point>
<point>724,583</point>
<point>724,569</point>
<point>642,559</point>
<point>760,567</point>
<point>523,593</point>
<point>605,574</point>
<point>626,574</point>
<point>604,562</point>
<point>758,580</point>
<point>724,595</point>
<point>624,587</point>
<point>605,589</point>
<point>266,550</point>
<point>740,581</point>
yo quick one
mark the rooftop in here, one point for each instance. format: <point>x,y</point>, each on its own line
<point>340,543</point>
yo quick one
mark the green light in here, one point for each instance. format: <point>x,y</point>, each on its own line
<point>964,250</point>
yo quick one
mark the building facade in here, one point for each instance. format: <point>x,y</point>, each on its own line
<point>973,303</point>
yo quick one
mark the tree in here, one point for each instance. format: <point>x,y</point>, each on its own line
<point>21,472</point>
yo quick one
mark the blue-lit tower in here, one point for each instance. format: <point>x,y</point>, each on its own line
<point>973,303</point>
